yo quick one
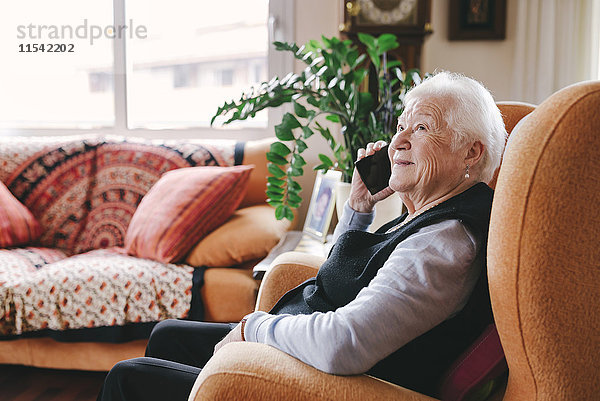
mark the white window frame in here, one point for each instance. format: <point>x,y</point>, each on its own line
<point>281,28</point>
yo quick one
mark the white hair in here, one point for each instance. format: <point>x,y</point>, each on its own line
<point>472,116</point>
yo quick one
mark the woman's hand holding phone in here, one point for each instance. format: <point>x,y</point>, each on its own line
<point>361,199</point>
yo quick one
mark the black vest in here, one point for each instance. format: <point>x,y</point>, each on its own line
<point>354,261</point>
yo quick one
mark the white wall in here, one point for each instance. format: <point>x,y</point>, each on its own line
<point>489,61</point>
<point>313,19</point>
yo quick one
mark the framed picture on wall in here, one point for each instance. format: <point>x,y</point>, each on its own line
<point>477,20</point>
<point>322,203</point>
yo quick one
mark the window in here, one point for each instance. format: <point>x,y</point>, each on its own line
<point>136,65</point>
<point>101,81</point>
<point>184,76</point>
<point>52,88</point>
<point>226,77</point>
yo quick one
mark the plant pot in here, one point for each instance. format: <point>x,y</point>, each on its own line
<point>342,193</point>
<point>385,210</point>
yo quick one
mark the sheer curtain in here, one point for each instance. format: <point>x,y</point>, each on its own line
<point>557,44</point>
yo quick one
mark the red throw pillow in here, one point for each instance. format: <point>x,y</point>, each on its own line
<point>182,207</point>
<point>473,374</point>
<point>17,224</point>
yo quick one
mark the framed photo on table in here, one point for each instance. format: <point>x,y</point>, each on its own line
<point>322,203</point>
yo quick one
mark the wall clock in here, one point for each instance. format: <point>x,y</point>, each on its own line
<point>394,16</point>
<point>409,20</point>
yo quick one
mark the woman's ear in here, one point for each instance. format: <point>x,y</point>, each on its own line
<point>475,153</point>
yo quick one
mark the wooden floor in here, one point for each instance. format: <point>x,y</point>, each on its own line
<point>21,383</point>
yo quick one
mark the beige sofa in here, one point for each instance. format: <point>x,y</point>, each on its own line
<point>83,192</point>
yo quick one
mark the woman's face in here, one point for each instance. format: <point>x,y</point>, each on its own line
<point>423,163</point>
<point>322,204</point>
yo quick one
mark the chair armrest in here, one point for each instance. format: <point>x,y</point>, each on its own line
<point>286,272</point>
<point>252,371</point>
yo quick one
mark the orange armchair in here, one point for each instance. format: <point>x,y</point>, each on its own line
<point>543,271</point>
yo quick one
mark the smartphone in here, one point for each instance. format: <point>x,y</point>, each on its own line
<point>375,170</point>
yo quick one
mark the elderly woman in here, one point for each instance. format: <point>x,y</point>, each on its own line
<point>401,303</point>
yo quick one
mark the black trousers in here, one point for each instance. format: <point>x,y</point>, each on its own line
<point>175,354</point>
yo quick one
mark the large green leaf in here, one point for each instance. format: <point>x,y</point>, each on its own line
<point>325,160</point>
<point>280,211</point>
<point>367,39</point>
<point>295,171</point>
<point>294,186</point>
<point>298,161</point>
<point>306,133</point>
<point>276,171</point>
<point>394,63</point>
<point>274,195</point>
<point>386,42</point>
<point>374,58</point>
<point>275,181</point>
<point>275,188</point>
<point>290,121</point>
<point>283,133</point>
<point>275,158</point>
<point>295,198</point>
<point>300,110</point>
<point>288,213</point>
<point>302,146</point>
<point>280,148</point>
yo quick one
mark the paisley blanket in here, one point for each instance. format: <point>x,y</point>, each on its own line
<point>84,192</point>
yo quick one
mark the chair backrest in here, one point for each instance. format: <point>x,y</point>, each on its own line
<point>544,250</point>
<point>512,113</point>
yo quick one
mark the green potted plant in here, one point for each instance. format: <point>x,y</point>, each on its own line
<point>339,83</point>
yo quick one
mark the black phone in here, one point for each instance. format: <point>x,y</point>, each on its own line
<point>375,170</point>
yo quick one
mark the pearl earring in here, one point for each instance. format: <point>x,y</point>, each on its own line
<point>467,172</point>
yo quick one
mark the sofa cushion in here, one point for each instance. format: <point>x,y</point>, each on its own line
<point>256,232</point>
<point>182,207</point>
<point>255,153</point>
<point>228,294</point>
<point>17,224</point>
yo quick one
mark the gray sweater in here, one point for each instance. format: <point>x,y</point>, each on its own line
<point>427,279</point>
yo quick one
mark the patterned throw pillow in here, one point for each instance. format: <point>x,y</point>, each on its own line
<point>182,207</point>
<point>17,224</point>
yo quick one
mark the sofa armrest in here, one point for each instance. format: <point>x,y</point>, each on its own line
<point>286,272</point>
<point>252,371</point>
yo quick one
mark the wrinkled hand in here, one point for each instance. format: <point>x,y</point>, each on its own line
<point>234,335</point>
<point>361,199</point>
